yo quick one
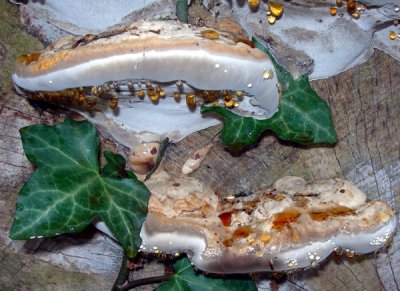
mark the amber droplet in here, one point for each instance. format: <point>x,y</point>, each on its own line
<point>333,11</point>
<point>265,238</point>
<point>239,94</point>
<point>113,103</point>
<point>230,103</point>
<point>392,35</point>
<point>276,9</point>
<point>227,96</point>
<point>351,5</point>
<point>210,34</point>
<point>177,96</point>
<point>253,4</point>
<point>339,3</point>
<point>191,99</point>
<point>153,95</point>
<point>271,19</point>
<point>350,253</point>
<point>204,95</point>
<point>140,93</point>
<point>212,96</point>
<point>226,218</point>
<point>162,93</point>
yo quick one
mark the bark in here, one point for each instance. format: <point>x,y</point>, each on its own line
<point>366,111</point>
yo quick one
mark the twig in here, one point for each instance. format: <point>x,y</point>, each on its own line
<point>150,280</point>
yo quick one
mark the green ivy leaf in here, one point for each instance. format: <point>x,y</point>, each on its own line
<point>115,167</point>
<point>302,117</point>
<point>67,191</point>
<point>187,279</point>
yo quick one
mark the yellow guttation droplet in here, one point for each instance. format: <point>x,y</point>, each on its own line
<point>210,34</point>
<point>355,15</point>
<point>265,238</point>
<point>392,35</point>
<point>153,95</point>
<point>191,99</point>
<point>177,96</point>
<point>333,11</point>
<point>227,96</point>
<point>276,8</point>
<point>253,4</point>
<point>113,103</point>
<point>230,103</point>
<point>271,19</point>
<point>140,93</point>
<point>351,5</point>
<point>161,93</point>
<point>268,74</point>
<point>339,3</point>
<point>204,96</point>
<point>239,94</point>
<point>211,96</point>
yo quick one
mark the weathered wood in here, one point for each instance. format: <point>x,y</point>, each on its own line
<point>366,111</point>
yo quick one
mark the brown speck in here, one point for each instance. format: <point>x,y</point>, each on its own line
<point>176,184</point>
<point>342,191</point>
<point>155,31</point>
<point>153,151</point>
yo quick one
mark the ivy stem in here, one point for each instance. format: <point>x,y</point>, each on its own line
<point>123,274</point>
<point>150,280</point>
<point>182,10</point>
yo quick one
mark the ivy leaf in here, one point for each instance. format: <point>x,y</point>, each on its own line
<point>115,167</point>
<point>67,191</point>
<point>185,278</point>
<point>303,117</point>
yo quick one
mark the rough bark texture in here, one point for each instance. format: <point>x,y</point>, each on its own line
<point>366,111</point>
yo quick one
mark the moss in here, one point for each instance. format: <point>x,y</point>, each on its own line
<point>13,42</point>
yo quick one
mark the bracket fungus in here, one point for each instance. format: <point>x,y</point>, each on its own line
<point>290,226</point>
<point>147,79</point>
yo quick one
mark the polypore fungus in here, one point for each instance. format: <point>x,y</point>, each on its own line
<point>292,225</point>
<point>150,77</point>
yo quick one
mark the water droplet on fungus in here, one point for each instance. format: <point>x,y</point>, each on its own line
<point>276,9</point>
